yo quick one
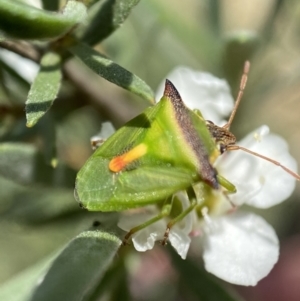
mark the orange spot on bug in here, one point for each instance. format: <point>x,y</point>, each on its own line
<point>118,163</point>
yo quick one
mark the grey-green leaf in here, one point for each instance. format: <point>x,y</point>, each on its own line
<point>23,164</point>
<point>20,20</point>
<point>44,88</point>
<point>40,205</point>
<point>20,287</point>
<point>18,162</point>
<point>112,72</point>
<point>79,268</point>
<point>105,18</point>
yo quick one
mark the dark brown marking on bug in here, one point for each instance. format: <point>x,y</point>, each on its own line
<point>206,170</point>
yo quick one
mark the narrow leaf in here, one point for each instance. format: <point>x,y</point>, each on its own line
<point>44,88</point>
<point>49,203</point>
<point>20,287</point>
<point>106,18</point>
<point>23,164</point>
<point>47,129</point>
<point>79,268</point>
<point>20,20</point>
<point>115,275</point>
<point>19,82</point>
<point>17,162</point>
<point>112,72</point>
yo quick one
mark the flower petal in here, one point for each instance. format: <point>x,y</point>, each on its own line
<point>179,234</point>
<point>201,91</point>
<point>180,241</point>
<point>144,239</point>
<point>186,224</point>
<point>259,183</point>
<point>242,249</point>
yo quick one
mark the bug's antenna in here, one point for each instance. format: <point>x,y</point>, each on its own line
<point>237,147</point>
<point>240,94</point>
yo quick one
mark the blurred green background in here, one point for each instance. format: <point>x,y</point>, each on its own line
<point>38,213</point>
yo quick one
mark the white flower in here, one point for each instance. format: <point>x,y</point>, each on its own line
<point>259,183</point>
<point>242,250</point>
<point>239,247</point>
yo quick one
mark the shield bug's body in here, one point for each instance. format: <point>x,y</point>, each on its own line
<point>166,149</point>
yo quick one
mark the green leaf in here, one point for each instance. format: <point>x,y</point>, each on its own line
<point>48,202</point>
<point>44,88</point>
<point>112,283</point>
<point>16,77</point>
<point>48,132</point>
<point>79,268</point>
<point>106,18</point>
<point>14,87</point>
<point>112,72</point>
<point>20,287</point>
<point>17,162</point>
<point>24,21</point>
<point>23,164</point>
<point>203,285</point>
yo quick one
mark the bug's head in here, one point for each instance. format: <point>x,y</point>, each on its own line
<point>221,135</point>
<point>225,140</point>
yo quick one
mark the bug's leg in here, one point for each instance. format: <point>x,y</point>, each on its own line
<point>230,188</point>
<point>182,215</point>
<point>107,129</point>
<point>165,211</point>
<point>198,195</point>
<point>96,142</point>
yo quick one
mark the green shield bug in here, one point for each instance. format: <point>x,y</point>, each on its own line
<point>166,149</point>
